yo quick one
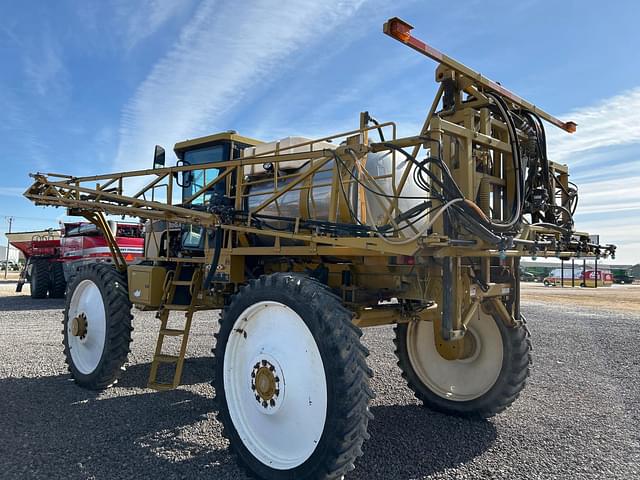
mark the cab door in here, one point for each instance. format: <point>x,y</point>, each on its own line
<point>195,180</point>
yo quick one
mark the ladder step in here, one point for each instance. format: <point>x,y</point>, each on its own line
<point>166,358</point>
<point>172,281</point>
<point>173,306</point>
<point>171,332</point>
<point>161,387</point>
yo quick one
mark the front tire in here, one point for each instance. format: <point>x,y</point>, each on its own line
<point>479,386</point>
<point>291,380</point>
<point>97,326</point>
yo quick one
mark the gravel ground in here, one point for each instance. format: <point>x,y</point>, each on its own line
<point>577,418</point>
<point>622,298</point>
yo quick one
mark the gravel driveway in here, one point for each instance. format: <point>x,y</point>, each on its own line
<point>577,418</point>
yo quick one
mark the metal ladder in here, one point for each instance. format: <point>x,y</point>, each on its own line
<point>172,281</point>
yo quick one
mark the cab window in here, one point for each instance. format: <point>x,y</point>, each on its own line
<point>199,178</point>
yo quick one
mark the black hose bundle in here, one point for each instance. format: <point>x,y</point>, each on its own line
<point>540,186</point>
<point>513,224</point>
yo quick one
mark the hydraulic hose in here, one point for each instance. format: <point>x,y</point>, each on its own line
<point>516,216</point>
<point>424,229</point>
<point>216,258</point>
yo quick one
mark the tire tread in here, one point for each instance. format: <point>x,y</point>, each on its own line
<point>58,283</point>
<point>40,281</point>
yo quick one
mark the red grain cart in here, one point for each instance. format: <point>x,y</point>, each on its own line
<point>54,256</point>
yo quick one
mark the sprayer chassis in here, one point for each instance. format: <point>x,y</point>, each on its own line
<point>291,379</point>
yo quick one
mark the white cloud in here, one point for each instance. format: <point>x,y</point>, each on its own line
<point>17,125</point>
<point>610,193</point>
<point>617,170</point>
<point>10,34</point>
<point>45,70</point>
<point>610,122</point>
<point>11,191</point>
<point>222,54</point>
<point>143,18</point>
<point>617,195</point>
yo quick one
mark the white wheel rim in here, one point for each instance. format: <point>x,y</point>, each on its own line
<point>457,380</point>
<point>282,436</point>
<point>86,351</point>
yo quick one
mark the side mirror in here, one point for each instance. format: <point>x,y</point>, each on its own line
<point>185,176</point>
<point>158,157</point>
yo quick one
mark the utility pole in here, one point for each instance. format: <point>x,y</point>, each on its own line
<point>6,262</point>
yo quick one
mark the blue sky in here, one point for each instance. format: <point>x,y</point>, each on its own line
<point>91,86</point>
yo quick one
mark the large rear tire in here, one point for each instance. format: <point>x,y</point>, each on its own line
<point>58,283</point>
<point>291,380</point>
<point>97,326</point>
<point>40,280</point>
<point>481,385</point>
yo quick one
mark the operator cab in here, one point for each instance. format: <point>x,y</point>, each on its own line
<point>220,147</point>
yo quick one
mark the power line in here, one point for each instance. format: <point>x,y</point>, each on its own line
<point>29,218</point>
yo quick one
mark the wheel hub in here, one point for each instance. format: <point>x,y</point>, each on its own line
<point>471,346</point>
<point>267,385</point>
<point>79,326</point>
